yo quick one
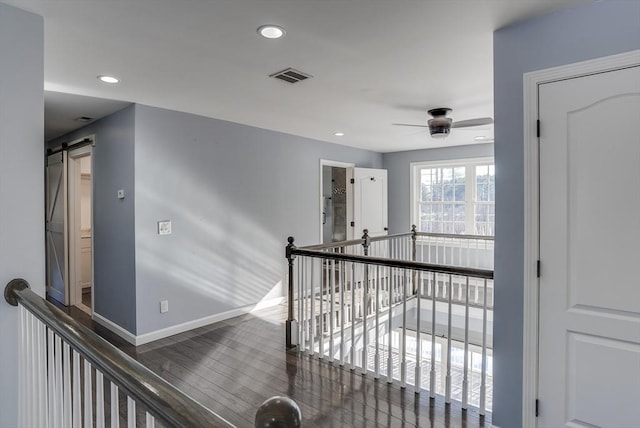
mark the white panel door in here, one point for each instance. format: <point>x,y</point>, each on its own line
<point>369,201</point>
<point>589,331</point>
<point>56,217</point>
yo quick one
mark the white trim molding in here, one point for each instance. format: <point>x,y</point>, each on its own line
<point>339,164</point>
<point>141,339</point>
<point>531,82</point>
<point>114,328</point>
<point>470,193</point>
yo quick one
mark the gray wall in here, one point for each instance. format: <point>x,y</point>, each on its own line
<point>21,181</point>
<point>599,29</point>
<point>399,175</point>
<point>233,193</point>
<point>113,234</point>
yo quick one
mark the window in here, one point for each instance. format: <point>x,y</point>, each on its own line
<point>455,197</point>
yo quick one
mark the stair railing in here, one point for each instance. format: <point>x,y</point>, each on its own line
<point>376,308</point>
<point>71,377</point>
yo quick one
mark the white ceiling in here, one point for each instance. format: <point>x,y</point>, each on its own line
<point>62,112</point>
<point>373,62</point>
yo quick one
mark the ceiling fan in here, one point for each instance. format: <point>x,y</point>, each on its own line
<point>440,125</point>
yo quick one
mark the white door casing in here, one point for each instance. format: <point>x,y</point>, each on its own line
<point>80,204</point>
<point>349,167</point>
<point>589,298</point>
<point>56,219</point>
<point>369,201</point>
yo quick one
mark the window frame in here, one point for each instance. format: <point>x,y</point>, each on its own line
<point>470,186</point>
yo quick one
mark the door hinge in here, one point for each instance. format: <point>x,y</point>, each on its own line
<point>537,407</point>
<point>538,268</point>
<point>538,128</point>
<point>353,224</point>
<point>353,180</point>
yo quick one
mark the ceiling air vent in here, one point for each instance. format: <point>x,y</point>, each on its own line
<point>290,75</point>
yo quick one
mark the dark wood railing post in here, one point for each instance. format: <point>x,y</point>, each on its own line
<point>291,324</point>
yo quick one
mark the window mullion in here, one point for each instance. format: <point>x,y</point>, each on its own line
<point>470,198</point>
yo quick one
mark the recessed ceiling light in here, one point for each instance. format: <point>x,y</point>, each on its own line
<point>271,31</point>
<point>339,134</point>
<point>108,79</point>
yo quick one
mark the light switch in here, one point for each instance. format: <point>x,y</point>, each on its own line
<point>164,227</point>
<point>121,194</point>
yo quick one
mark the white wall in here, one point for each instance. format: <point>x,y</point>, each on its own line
<point>21,181</point>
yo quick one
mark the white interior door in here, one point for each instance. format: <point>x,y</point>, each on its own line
<point>589,328</point>
<point>369,201</point>
<point>56,217</point>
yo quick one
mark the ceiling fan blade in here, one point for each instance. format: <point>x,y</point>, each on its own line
<point>409,124</point>
<point>472,122</point>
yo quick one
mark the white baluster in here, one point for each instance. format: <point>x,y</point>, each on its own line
<point>131,413</point>
<point>51,379</point>
<point>300,302</point>
<point>418,375</point>
<point>332,284</point>
<point>432,377</point>
<point>365,287</point>
<point>58,379</point>
<point>41,356</point>
<point>115,407</point>
<point>352,359</point>
<point>342,311</point>
<point>77,400</point>
<point>22,370</point>
<point>392,280</point>
<point>465,377</point>
<point>312,312</point>
<point>403,358</point>
<point>323,279</point>
<point>377,354</point>
<point>483,374</point>
<point>151,423</point>
<point>66,382</point>
<point>448,379</point>
<point>88,401</point>
<point>99,400</point>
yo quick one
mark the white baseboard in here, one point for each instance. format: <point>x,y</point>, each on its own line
<point>201,322</point>
<point>186,326</point>
<point>115,328</point>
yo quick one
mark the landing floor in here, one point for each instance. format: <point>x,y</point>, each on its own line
<point>233,366</point>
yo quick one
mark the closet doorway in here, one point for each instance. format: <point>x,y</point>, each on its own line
<point>70,225</point>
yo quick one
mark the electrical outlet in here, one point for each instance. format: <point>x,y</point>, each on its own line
<point>164,306</point>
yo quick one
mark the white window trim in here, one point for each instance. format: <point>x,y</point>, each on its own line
<point>415,187</point>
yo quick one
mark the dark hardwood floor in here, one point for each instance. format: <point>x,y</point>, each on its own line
<point>233,366</point>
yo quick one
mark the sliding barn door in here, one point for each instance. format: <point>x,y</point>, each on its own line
<point>56,217</point>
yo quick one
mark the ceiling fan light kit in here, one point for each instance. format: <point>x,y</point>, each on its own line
<point>440,126</point>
